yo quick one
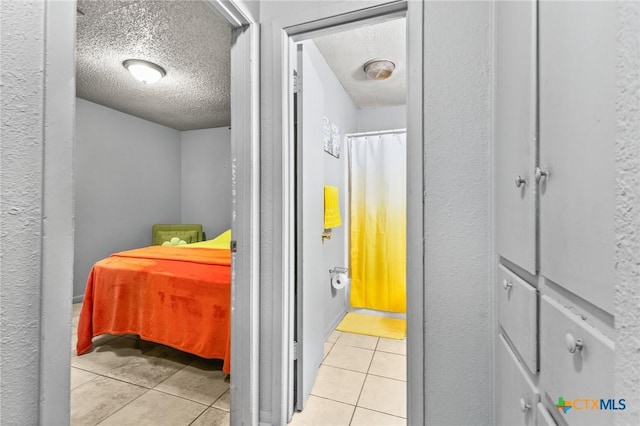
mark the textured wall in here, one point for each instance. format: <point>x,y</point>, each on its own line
<point>627,219</point>
<point>206,179</point>
<point>127,177</point>
<point>36,71</point>
<point>457,102</point>
<point>20,209</point>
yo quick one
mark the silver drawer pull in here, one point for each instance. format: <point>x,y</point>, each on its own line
<point>524,407</point>
<point>506,284</point>
<point>540,173</point>
<point>572,343</point>
<point>520,181</point>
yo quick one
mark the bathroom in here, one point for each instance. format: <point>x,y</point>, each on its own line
<point>351,205</point>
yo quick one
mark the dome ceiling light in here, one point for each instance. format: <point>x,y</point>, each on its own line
<point>144,71</point>
<point>379,69</point>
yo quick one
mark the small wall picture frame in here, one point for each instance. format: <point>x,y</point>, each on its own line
<point>335,140</point>
<point>326,136</point>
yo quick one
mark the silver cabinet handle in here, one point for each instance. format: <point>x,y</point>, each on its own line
<point>572,343</point>
<point>524,407</point>
<point>520,181</point>
<point>506,284</point>
<point>540,173</point>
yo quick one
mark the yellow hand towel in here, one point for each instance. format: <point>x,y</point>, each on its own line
<point>331,207</point>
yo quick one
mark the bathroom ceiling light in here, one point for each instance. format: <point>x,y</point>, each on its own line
<point>146,72</point>
<point>379,69</point>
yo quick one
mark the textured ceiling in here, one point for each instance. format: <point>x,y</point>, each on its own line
<point>346,53</point>
<point>186,38</point>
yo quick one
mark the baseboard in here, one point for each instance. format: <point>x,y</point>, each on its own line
<point>334,324</point>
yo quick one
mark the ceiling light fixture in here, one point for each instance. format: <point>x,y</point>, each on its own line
<point>379,69</point>
<point>146,72</point>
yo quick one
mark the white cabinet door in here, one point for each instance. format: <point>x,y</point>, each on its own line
<point>515,132</point>
<point>577,136</point>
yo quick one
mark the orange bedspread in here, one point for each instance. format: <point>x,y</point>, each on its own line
<point>180,298</point>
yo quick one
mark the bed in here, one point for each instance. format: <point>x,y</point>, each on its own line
<point>177,296</point>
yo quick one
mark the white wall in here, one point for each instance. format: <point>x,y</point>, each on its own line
<point>383,118</point>
<point>457,103</point>
<point>250,7</point>
<point>340,110</point>
<point>127,177</point>
<point>131,173</point>
<point>206,179</point>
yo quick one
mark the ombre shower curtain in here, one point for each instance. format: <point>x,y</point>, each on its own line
<point>378,221</point>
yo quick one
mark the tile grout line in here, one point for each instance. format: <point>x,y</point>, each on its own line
<point>148,389</point>
<point>153,388</point>
<point>191,400</point>
<point>105,418</point>
<point>105,374</point>
<point>219,398</point>
<point>383,412</point>
<point>327,399</point>
<point>366,374</point>
<point>202,414</point>
<point>365,380</point>
<point>387,377</point>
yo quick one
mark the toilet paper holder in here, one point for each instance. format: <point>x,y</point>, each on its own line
<point>338,270</point>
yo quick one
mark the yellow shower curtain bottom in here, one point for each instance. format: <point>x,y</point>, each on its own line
<point>378,259</point>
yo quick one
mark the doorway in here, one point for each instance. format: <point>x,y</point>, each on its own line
<point>279,190</point>
<point>440,199</point>
<point>243,135</point>
<point>351,209</point>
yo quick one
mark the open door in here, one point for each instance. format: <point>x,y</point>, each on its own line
<point>310,274</point>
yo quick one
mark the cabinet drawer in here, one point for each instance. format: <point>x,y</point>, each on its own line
<point>518,315</point>
<point>584,374</point>
<point>543,418</point>
<point>517,395</point>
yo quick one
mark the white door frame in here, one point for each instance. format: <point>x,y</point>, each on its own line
<point>245,171</point>
<point>277,189</point>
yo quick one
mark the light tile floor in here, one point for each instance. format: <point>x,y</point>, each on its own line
<point>361,382</point>
<point>128,381</point>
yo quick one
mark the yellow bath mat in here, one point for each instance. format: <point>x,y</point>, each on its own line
<point>372,325</point>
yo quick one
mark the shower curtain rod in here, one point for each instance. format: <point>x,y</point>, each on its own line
<point>376,133</point>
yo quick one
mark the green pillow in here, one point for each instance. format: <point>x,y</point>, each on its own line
<point>175,241</point>
<point>188,236</point>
